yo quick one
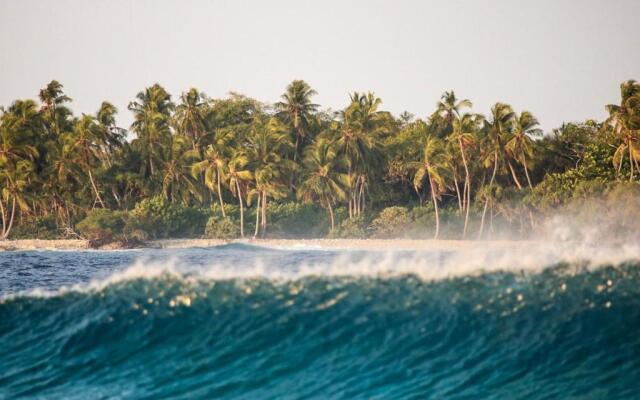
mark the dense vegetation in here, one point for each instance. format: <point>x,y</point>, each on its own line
<point>235,167</point>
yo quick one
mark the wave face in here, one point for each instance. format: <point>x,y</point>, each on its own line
<point>565,331</point>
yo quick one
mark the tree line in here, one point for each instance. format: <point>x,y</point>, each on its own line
<point>238,153</point>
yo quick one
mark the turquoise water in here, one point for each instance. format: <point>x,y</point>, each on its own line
<point>244,322</point>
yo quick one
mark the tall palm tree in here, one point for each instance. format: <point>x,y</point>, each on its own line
<point>449,108</point>
<point>356,139</point>
<point>296,109</point>
<point>624,119</point>
<point>498,128</point>
<point>433,166</point>
<point>464,131</point>
<point>190,116</point>
<point>53,109</point>
<point>110,137</point>
<point>266,146</point>
<point>152,115</point>
<point>17,133</point>
<point>520,143</point>
<point>213,166</point>
<point>177,182</point>
<point>13,181</point>
<point>83,143</point>
<point>238,178</point>
<point>214,161</point>
<point>323,179</point>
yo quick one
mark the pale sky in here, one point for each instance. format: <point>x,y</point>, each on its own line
<point>563,60</point>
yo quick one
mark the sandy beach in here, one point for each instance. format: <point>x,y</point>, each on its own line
<point>287,244</point>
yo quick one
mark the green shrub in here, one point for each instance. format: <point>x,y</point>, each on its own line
<point>158,218</point>
<point>221,228</point>
<point>102,226</point>
<point>355,227</point>
<point>37,227</point>
<point>391,222</point>
<point>298,220</point>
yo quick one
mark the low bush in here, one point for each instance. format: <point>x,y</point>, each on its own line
<point>356,228</point>
<point>31,227</point>
<point>221,228</point>
<point>102,226</point>
<point>158,218</point>
<point>297,220</point>
<point>391,222</point>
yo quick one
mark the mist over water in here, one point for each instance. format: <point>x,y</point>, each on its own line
<point>532,321</point>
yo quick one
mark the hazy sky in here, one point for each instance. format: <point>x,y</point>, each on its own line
<point>563,60</point>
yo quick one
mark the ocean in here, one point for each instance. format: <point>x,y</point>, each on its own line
<point>245,322</point>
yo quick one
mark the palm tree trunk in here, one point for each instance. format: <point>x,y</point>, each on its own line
<point>352,205</point>
<point>116,197</point>
<point>13,214</point>
<point>241,209</point>
<point>435,206</point>
<point>219,178</point>
<point>255,234</point>
<point>362,193</point>
<point>486,201</point>
<point>95,189</point>
<point>264,213</point>
<point>467,188</point>
<point>630,162</point>
<point>455,183</point>
<point>526,170</point>
<point>419,194</point>
<point>333,224</point>
<point>466,215</point>
<point>295,151</point>
<point>513,175</point>
<point>4,221</point>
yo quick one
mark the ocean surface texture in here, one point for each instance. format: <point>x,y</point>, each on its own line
<point>245,322</point>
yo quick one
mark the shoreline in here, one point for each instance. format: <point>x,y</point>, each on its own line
<point>285,244</point>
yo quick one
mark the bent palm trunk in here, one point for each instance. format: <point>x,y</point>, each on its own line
<point>255,234</point>
<point>467,190</point>
<point>435,206</point>
<point>220,195</point>
<point>241,209</point>
<point>95,188</point>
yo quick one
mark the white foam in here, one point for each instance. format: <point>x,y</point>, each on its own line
<point>429,265</point>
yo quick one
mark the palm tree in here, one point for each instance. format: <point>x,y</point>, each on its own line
<point>213,166</point>
<point>296,109</point>
<point>13,182</point>
<point>356,140</point>
<point>54,111</point>
<point>498,128</point>
<point>109,136</point>
<point>449,108</point>
<point>433,166</point>
<point>238,178</point>
<point>17,131</point>
<point>176,164</point>
<point>152,116</point>
<point>463,134</point>
<point>323,179</point>
<point>624,119</point>
<point>266,146</point>
<point>83,143</point>
<point>520,144</point>
<point>462,128</point>
<point>190,116</point>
